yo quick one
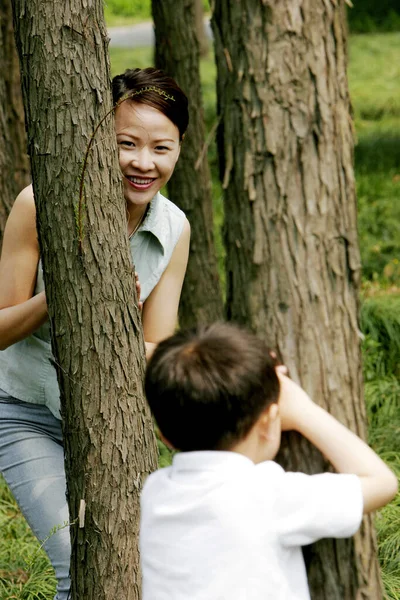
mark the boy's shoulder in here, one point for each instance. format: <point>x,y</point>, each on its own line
<point>156,477</point>
<point>255,481</point>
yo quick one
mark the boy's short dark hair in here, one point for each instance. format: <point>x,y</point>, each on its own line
<point>207,388</point>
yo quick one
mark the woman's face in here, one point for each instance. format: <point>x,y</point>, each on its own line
<point>149,147</point>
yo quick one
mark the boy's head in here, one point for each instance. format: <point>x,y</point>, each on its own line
<point>207,388</point>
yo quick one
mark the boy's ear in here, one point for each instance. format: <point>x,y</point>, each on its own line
<point>267,422</point>
<point>273,411</point>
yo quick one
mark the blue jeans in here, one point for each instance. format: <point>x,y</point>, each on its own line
<point>32,463</point>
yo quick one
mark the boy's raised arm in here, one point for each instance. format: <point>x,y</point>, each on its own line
<point>347,452</point>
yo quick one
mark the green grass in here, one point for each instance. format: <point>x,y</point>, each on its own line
<point>374,75</point>
<point>120,21</point>
<point>126,12</point>
<point>25,572</point>
<point>380,320</point>
<point>382,393</point>
<point>130,58</point>
<point>374,81</point>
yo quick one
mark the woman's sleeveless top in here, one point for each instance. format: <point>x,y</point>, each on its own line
<point>26,367</point>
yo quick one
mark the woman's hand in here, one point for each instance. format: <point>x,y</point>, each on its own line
<point>138,291</point>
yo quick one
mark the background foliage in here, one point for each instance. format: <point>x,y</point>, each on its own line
<point>374,77</point>
<point>370,15</point>
<point>134,9</point>
<point>121,11</point>
<point>365,15</point>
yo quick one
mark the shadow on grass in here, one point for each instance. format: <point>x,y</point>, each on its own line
<point>378,151</point>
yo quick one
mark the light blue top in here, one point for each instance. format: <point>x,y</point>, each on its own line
<point>26,369</point>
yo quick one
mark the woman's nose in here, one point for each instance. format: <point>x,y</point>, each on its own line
<point>143,159</point>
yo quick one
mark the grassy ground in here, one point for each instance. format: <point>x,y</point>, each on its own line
<point>374,76</point>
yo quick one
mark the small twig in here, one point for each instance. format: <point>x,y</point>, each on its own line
<point>56,364</point>
<point>52,532</point>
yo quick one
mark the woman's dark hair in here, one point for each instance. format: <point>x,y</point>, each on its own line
<point>153,87</point>
<point>207,388</point>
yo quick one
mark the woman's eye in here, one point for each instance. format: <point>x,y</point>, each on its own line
<point>162,148</point>
<point>126,144</point>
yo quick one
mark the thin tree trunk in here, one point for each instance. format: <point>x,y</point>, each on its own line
<point>96,330</point>
<point>190,185</point>
<point>200,29</point>
<point>293,266</point>
<point>14,164</point>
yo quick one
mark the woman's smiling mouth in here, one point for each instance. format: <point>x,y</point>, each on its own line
<point>142,183</point>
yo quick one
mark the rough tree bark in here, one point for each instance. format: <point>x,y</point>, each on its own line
<point>293,266</point>
<point>14,163</point>
<point>96,332</point>
<point>190,185</point>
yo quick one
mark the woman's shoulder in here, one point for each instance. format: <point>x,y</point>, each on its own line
<point>165,220</point>
<point>169,207</point>
<point>25,198</point>
<point>22,218</point>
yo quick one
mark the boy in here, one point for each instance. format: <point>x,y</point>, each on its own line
<point>225,522</point>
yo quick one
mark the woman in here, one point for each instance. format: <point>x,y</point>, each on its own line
<point>151,117</point>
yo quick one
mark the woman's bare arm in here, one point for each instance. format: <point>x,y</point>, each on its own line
<point>160,310</point>
<point>20,313</point>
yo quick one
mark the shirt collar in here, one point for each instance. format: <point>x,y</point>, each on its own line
<point>155,220</point>
<point>208,460</point>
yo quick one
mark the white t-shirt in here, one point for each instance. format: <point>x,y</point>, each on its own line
<point>215,526</point>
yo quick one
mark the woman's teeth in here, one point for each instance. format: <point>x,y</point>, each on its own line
<point>139,180</point>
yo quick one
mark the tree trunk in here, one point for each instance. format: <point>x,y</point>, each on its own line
<point>190,185</point>
<point>96,331</point>
<point>293,266</point>
<point>200,29</point>
<point>14,164</point>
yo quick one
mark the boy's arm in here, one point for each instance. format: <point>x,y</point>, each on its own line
<point>347,452</point>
